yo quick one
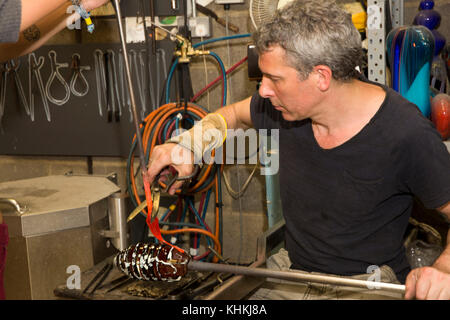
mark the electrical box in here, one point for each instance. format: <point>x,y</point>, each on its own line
<point>200,27</point>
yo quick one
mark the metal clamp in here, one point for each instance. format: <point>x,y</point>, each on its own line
<point>34,72</point>
<point>78,73</point>
<point>55,74</point>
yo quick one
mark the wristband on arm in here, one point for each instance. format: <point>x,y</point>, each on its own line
<point>84,14</point>
<point>208,134</point>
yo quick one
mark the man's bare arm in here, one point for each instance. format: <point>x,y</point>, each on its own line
<point>35,35</point>
<point>34,11</point>
<point>237,114</point>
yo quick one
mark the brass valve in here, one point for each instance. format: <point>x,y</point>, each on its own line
<point>186,51</point>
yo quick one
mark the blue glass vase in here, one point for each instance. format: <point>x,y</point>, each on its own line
<point>410,54</point>
<point>439,42</point>
<point>431,19</point>
<point>427,16</point>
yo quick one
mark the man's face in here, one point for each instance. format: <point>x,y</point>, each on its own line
<point>295,98</point>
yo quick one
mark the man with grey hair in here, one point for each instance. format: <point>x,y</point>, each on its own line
<point>353,155</point>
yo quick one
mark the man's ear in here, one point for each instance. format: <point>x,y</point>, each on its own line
<point>323,77</point>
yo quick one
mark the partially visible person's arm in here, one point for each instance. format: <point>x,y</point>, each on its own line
<point>34,35</point>
<point>237,114</point>
<point>443,262</point>
<point>33,11</point>
<point>432,283</point>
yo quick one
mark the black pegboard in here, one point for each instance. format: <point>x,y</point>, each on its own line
<point>76,128</point>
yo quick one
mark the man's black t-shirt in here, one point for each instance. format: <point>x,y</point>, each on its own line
<point>347,208</point>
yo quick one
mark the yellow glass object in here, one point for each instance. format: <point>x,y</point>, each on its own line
<point>359,20</point>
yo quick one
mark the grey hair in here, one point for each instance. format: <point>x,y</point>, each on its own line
<point>314,33</point>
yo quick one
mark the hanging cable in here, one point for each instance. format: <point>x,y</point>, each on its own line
<point>222,72</point>
<point>235,36</point>
<point>212,83</point>
<point>241,190</point>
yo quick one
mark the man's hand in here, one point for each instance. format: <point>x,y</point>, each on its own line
<point>92,4</point>
<point>427,283</point>
<point>170,154</point>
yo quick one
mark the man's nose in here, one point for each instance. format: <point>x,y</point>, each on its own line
<point>265,90</point>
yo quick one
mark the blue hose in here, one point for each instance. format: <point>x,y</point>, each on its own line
<point>224,77</point>
<point>169,79</point>
<point>174,64</point>
<point>236,36</point>
<point>191,206</point>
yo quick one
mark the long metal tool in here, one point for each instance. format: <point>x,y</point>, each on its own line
<point>294,276</point>
<point>153,225</point>
<point>131,91</point>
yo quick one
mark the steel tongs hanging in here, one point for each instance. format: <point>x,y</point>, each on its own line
<point>34,72</point>
<point>56,74</point>
<point>15,69</point>
<point>78,74</point>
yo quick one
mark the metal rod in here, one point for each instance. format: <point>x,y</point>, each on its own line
<point>294,276</point>
<point>130,88</point>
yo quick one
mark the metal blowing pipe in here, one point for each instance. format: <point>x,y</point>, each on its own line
<point>130,87</point>
<point>294,276</point>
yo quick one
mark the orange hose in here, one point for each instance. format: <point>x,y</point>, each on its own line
<point>209,234</point>
<point>153,123</point>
